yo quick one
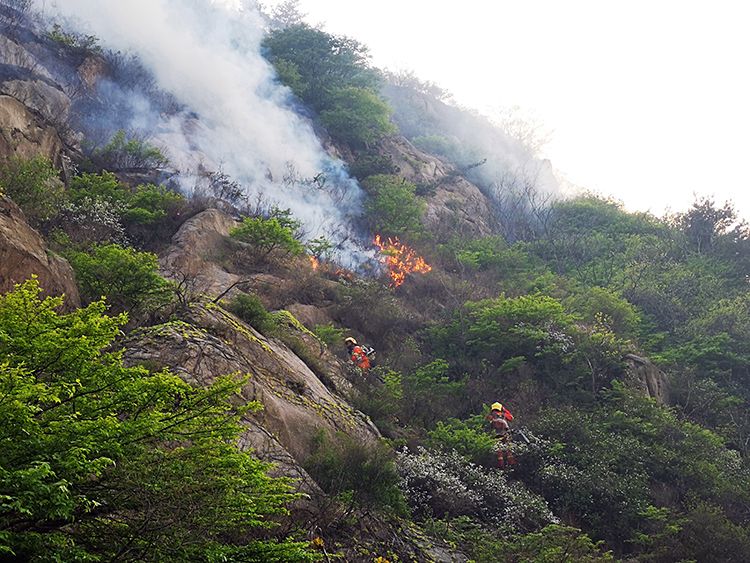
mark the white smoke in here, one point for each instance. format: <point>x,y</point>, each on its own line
<point>238,118</point>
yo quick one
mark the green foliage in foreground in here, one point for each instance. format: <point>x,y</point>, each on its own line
<point>102,462</point>
<point>552,544</point>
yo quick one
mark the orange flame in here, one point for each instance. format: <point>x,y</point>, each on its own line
<point>314,262</point>
<point>400,259</point>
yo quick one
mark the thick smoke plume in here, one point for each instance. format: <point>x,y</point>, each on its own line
<point>234,116</point>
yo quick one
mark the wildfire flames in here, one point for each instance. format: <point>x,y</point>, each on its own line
<point>400,259</point>
<point>314,262</point>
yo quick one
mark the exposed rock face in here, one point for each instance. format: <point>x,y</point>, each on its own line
<point>34,105</point>
<point>649,378</point>
<point>26,135</point>
<point>454,205</point>
<point>194,250</point>
<point>296,405</point>
<point>23,253</point>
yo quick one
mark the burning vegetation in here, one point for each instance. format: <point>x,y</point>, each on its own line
<point>400,259</point>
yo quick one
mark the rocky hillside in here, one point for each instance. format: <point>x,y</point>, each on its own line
<point>191,397</point>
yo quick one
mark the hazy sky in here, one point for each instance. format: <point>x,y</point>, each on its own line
<point>648,101</point>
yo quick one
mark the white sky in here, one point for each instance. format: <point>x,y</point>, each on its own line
<point>648,101</point>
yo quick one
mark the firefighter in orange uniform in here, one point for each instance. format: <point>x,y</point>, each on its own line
<point>357,354</point>
<point>498,419</point>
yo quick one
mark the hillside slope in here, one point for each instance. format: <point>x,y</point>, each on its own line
<point>619,341</point>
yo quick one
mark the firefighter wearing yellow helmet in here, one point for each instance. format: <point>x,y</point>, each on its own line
<point>498,419</point>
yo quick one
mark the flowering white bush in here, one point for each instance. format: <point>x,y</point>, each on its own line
<point>446,484</point>
<point>95,220</point>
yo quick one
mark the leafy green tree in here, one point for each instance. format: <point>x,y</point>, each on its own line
<point>279,232</point>
<point>34,186</point>
<point>358,117</point>
<point>529,325</point>
<point>590,302</point>
<point>319,64</point>
<point>320,248</point>
<point>128,279</point>
<point>393,209</point>
<point>705,223</point>
<point>104,462</point>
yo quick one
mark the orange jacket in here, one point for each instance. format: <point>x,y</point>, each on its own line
<point>359,358</point>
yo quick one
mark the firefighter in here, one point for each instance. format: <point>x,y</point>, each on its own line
<point>498,419</point>
<point>357,354</point>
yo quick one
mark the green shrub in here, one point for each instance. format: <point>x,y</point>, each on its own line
<point>382,403</point>
<point>148,213</point>
<point>320,247</point>
<point>358,117</point>
<point>607,464</point>
<point>250,309</point>
<point>553,543</point>
<point>371,164</point>
<point>329,334</point>
<point>103,186</point>
<point>128,279</point>
<point>123,153</point>
<point>366,473</point>
<point>279,233</point>
<point>617,313</point>
<point>469,438</point>
<point>318,65</point>
<point>431,392</point>
<point>74,40</point>
<point>393,209</point>
<point>34,186</point>
<point>440,484</point>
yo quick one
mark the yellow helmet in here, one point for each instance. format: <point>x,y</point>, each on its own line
<point>496,407</point>
<point>350,340</point>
